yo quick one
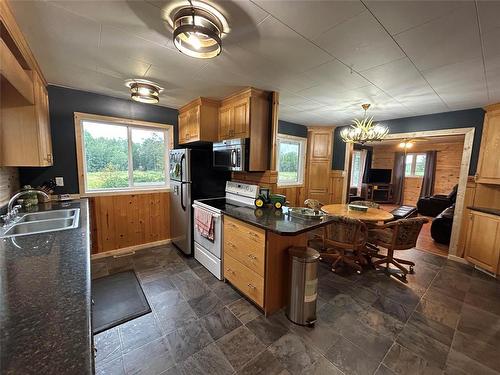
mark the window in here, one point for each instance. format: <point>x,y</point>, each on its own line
<point>291,160</point>
<point>116,155</point>
<point>415,165</point>
<point>356,174</point>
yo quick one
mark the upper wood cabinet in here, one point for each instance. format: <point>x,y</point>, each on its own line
<point>198,121</point>
<point>488,171</point>
<point>246,115</point>
<point>24,117</point>
<point>319,163</point>
<point>482,246</point>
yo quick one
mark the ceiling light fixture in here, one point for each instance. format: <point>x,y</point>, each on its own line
<point>406,145</point>
<point>144,91</point>
<point>363,131</point>
<point>198,31</point>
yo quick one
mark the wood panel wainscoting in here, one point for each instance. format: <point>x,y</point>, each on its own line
<point>129,221</point>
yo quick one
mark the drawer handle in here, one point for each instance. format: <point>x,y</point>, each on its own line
<point>230,244</point>
<point>251,256</point>
<point>230,270</point>
<point>251,286</point>
<point>253,234</point>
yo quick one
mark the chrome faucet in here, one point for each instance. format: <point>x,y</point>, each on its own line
<point>13,210</point>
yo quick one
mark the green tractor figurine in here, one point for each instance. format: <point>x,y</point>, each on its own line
<point>265,198</point>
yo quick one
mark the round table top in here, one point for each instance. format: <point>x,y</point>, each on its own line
<point>372,214</point>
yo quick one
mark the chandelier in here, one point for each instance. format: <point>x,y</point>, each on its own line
<point>363,131</point>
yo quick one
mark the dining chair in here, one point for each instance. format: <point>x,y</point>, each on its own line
<point>397,235</point>
<point>344,241</point>
<point>369,204</point>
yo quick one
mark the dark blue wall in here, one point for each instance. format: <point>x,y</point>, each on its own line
<point>290,128</point>
<point>470,118</point>
<point>63,102</point>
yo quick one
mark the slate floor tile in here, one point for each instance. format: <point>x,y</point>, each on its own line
<point>226,293</point>
<point>266,330</point>
<point>220,323</point>
<point>263,364</point>
<point>477,350</point>
<point>189,284</point>
<point>489,304</point>
<point>460,364</point>
<point>99,269</point>
<point>175,316</point>
<point>323,367</point>
<point>108,345</point>
<point>205,304</point>
<point>113,367</point>
<point>393,308</point>
<point>439,312</point>
<point>319,336</point>
<point>431,328</point>
<point>380,322</point>
<point>121,264</point>
<point>350,359</point>
<point>139,331</point>
<point>152,358</point>
<point>481,324</point>
<point>244,310</point>
<point>158,286</point>
<point>240,346</point>
<point>187,340</point>
<point>294,353</point>
<point>384,370</point>
<point>208,361</point>
<point>400,360</point>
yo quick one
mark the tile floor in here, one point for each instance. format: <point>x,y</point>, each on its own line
<point>446,319</point>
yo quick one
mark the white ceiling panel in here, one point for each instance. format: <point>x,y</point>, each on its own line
<point>492,62</point>
<point>283,47</point>
<point>447,40</point>
<point>360,42</point>
<point>338,75</point>
<point>451,81</point>
<point>399,16</point>
<point>321,15</point>
<point>489,12</point>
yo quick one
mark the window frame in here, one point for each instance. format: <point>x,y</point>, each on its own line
<point>80,118</point>
<point>414,163</point>
<point>302,159</point>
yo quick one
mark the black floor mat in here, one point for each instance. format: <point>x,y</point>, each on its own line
<point>117,299</point>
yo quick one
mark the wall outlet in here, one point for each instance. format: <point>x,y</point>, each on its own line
<point>59,181</point>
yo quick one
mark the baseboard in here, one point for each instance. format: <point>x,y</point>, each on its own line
<point>125,251</point>
<point>457,259</point>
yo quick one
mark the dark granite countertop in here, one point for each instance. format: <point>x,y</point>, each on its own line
<point>486,210</point>
<point>45,304</point>
<point>277,221</point>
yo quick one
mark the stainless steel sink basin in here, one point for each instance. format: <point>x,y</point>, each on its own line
<point>47,215</point>
<point>43,222</point>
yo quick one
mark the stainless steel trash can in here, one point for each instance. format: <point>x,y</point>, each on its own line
<point>303,285</point>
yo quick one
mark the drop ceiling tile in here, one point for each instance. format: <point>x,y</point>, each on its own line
<point>284,47</point>
<point>311,18</point>
<point>447,40</point>
<point>337,75</point>
<point>138,18</point>
<point>460,85</point>
<point>360,42</point>
<point>398,16</point>
<point>488,12</point>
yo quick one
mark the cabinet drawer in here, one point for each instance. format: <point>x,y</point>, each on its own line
<point>244,231</point>
<point>250,253</point>
<point>243,278</point>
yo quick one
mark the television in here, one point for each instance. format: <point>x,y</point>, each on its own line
<point>379,176</point>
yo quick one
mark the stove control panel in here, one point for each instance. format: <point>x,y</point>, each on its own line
<point>244,190</point>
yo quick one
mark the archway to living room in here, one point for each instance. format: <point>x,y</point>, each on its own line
<point>425,173</point>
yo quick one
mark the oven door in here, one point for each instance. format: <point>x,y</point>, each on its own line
<point>228,157</point>
<point>215,246</point>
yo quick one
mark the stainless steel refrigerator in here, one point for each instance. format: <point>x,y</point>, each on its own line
<point>192,176</point>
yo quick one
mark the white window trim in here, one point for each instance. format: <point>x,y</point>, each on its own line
<point>413,164</point>
<point>80,118</point>
<point>352,162</point>
<point>302,159</point>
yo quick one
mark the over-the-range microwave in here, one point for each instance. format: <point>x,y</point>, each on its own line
<point>231,154</point>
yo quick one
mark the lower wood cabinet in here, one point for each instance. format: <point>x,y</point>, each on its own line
<point>482,246</point>
<point>256,262</point>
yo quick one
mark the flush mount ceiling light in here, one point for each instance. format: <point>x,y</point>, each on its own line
<point>363,131</point>
<point>198,30</point>
<point>406,145</point>
<point>144,91</point>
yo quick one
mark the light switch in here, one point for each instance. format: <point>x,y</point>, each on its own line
<point>59,181</point>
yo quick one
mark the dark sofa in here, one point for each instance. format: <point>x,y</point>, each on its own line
<point>434,205</point>
<point>441,226</point>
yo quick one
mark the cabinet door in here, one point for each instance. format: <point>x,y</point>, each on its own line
<point>321,145</point>
<point>183,126</point>
<point>42,118</point>
<point>489,162</point>
<point>241,119</point>
<point>194,124</point>
<point>483,242</point>
<point>225,120</point>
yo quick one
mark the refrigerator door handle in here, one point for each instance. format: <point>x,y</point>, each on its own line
<point>183,157</point>
<point>182,197</point>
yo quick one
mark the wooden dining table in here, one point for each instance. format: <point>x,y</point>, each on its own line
<point>371,215</point>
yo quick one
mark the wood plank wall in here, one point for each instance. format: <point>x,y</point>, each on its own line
<point>122,221</point>
<point>9,184</point>
<point>449,157</point>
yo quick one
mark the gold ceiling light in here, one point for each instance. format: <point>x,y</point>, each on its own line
<point>144,91</point>
<point>363,131</point>
<point>198,31</point>
<point>406,145</point>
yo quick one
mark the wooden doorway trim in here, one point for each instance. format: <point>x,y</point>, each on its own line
<point>468,134</point>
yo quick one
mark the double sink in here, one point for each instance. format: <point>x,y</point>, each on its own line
<point>42,222</point>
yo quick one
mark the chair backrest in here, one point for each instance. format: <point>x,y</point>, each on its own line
<point>453,194</point>
<point>370,204</point>
<point>406,232</point>
<point>346,232</point>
